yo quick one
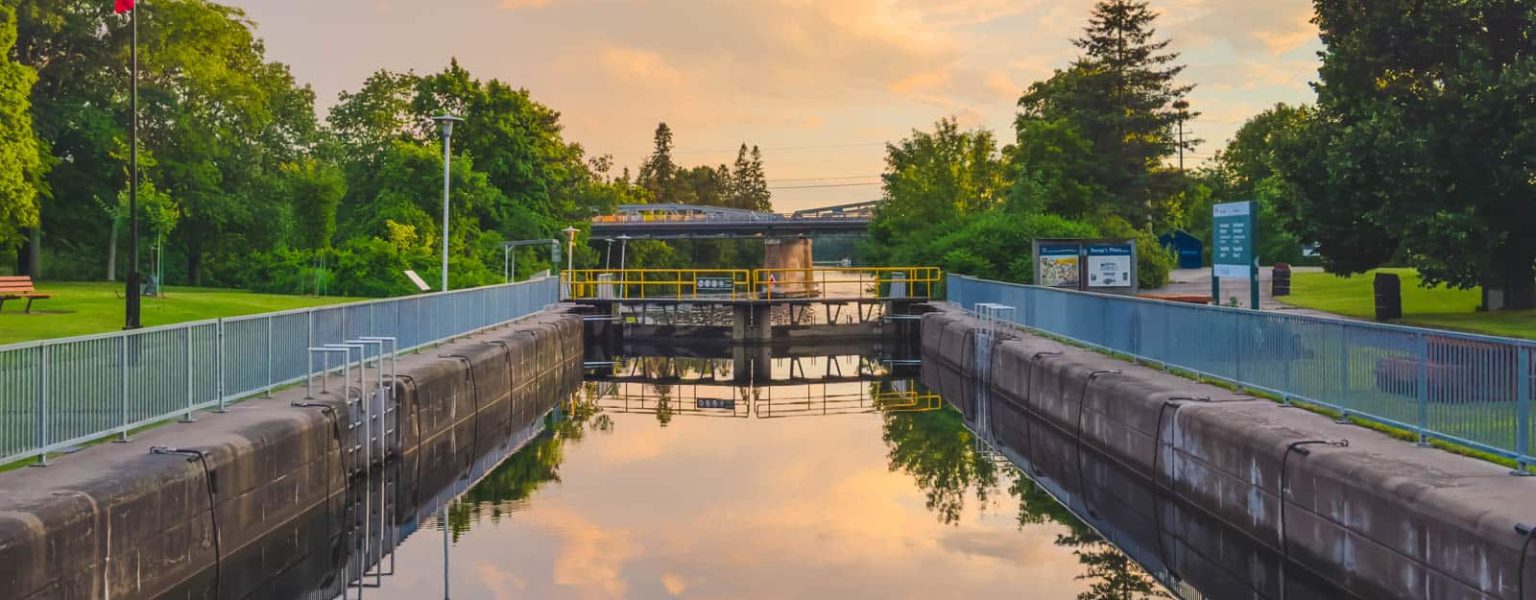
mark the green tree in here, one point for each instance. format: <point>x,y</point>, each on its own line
<point>1247,169</point>
<point>1422,145</point>
<point>749,185</point>
<point>315,189</point>
<point>658,171</point>
<point>931,181</point>
<point>1118,98</point>
<point>20,163</point>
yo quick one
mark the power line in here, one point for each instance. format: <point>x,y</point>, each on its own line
<point>764,149</point>
<point>777,179</point>
<point>823,185</point>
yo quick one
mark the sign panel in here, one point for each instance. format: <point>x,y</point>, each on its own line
<point>715,285</point>
<point>716,404</point>
<point>1233,256</point>
<point>1060,265</point>
<point>1109,266</point>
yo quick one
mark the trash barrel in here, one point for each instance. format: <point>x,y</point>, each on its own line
<point>1280,284</point>
<point>1389,297</point>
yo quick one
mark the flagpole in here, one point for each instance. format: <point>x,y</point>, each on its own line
<point>133,305</point>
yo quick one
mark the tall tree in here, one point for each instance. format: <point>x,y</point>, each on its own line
<point>1248,169</point>
<point>20,162</point>
<point>750,184</point>
<point>1118,97</point>
<point>1422,143</point>
<point>658,170</point>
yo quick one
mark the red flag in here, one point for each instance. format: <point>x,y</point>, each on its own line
<point>124,6</point>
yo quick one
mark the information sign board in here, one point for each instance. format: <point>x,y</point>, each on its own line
<point>714,285</point>
<point>1233,256</point>
<point>1059,265</point>
<point>1109,265</point>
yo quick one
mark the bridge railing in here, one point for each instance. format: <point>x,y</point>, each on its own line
<point>1469,390</point>
<point>62,393</point>
<point>858,283</point>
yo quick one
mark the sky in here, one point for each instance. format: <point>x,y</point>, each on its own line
<point>819,85</point>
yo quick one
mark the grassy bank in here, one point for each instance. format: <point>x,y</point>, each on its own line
<point>1432,307</point>
<point>85,308</point>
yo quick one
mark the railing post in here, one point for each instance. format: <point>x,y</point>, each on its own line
<point>42,405</point>
<point>1523,400</point>
<point>186,345</point>
<point>122,371</point>
<point>218,359</point>
<point>1423,389</point>
<point>269,357</point>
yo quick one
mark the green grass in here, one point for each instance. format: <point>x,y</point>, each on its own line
<point>1439,307</point>
<point>85,308</point>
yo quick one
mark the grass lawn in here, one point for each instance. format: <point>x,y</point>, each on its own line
<point>84,308</point>
<point>1434,307</point>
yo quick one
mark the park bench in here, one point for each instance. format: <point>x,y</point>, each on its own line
<point>19,288</point>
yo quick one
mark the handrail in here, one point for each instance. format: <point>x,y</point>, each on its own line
<point>852,283</point>
<point>62,392</point>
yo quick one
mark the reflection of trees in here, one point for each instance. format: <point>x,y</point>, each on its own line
<point>537,463</point>
<point>941,455</point>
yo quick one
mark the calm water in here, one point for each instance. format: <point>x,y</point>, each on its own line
<point>665,480</point>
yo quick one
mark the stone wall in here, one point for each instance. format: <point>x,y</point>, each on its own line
<point>1380,517</point>
<point>117,521</point>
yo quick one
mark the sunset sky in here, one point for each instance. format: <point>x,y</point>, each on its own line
<point>820,85</point>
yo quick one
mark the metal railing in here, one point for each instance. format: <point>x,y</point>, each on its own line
<point>1469,390</point>
<point>855,283</point>
<point>58,394</point>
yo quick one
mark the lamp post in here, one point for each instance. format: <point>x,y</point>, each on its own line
<point>608,255</point>
<point>570,248</point>
<point>445,123</point>
<point>623,250</point>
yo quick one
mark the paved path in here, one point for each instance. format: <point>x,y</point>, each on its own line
<point>1198,281</point>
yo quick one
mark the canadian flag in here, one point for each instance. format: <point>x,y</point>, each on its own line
<point>123,6</point>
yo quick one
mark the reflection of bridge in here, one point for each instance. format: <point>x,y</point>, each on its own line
<point>684,221</point>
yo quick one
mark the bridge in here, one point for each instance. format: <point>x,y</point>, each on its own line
<point>685,221</point>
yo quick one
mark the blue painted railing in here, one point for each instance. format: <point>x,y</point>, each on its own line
<point>1471,390</point>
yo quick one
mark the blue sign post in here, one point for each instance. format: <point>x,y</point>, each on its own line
<point>1234,255</point>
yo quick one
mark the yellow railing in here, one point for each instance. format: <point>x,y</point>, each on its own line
<point>866,283</point>
<point>863,283</point>
<point>657,284</point>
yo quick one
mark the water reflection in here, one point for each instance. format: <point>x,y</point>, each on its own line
<point>666,477</point>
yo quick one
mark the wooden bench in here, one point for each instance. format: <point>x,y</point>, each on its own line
<point>19,288</point>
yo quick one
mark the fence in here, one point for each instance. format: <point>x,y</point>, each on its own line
<point>1470,390</point>
<point>57,394</point>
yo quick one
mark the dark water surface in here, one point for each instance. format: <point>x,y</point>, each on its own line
<point>701,489</point>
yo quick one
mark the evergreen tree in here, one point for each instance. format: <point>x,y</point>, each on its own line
<point>659,170</point>
<point>20,161</point>
<point>1118,96</point>
<point>749,186</point>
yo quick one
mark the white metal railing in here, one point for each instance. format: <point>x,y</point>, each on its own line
<point>61,393</point>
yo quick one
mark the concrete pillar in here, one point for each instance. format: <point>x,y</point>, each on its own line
<point>793,254</point>
<point>750,323</point>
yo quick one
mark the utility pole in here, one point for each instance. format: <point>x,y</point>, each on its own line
<point>1183,107</point>
<point>132,305</point>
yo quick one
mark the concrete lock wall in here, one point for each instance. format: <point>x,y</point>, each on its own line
<point>117,521</point>
<point>790,253</point>
<point>1380,517</point>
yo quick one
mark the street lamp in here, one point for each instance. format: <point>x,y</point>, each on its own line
<point>445,123</point>
<point>623,250</point>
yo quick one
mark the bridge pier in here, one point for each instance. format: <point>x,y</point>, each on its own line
<point>792,264</point>
<point>751,322</point>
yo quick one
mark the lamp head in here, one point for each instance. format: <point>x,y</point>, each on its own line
<point>445,123</point>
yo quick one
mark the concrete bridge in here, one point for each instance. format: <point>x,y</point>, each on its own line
<point>685,221</point>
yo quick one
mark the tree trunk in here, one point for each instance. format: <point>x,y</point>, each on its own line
<point>33,264</point>
<point>1512,286</point>
<point>112,254</point>
<point>194,266</point>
